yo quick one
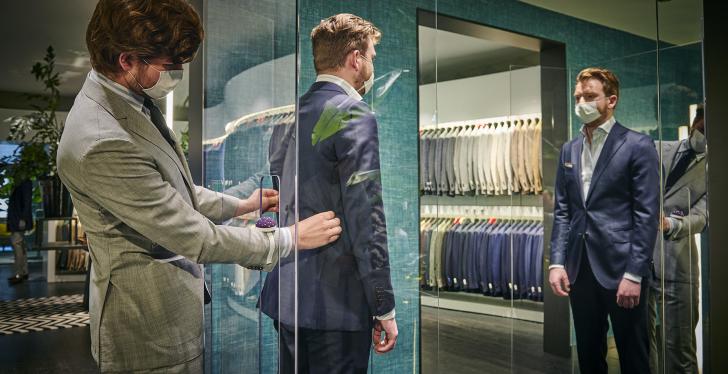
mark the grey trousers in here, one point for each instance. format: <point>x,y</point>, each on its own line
<point>194,366</point>
<point>20,250</point>
<point>672,323</point>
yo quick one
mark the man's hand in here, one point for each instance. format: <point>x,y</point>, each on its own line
<point>387,329</point>
<point>665,224</point>
<point>21,225</point>
<point>317,231</point>
<point>628,294</point>
<point>559,281</point>
<point>252,203</point>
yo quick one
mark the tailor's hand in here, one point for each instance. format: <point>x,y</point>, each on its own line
<point>388,329</point>
<point>252,203</point>
<point>559,281</point>
<point>318,230</point>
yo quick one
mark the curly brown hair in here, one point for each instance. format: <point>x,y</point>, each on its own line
<point>144,28</point>
<point>338,35</point>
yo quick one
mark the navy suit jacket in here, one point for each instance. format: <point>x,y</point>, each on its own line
<point>616,225</point>
<point>341,286</point>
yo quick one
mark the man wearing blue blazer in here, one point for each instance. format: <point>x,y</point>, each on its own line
<point>340,296</point>
<point>606,215</point>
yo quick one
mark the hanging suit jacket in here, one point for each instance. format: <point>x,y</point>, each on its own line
<point>140,209</point>
<point>615,224</point>
<point>686,203</point>
<point>343,285</point>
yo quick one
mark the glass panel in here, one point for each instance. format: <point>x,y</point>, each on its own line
<point>359,158</point>
<point>249,101</point>
<point>636,110</point>
<point>432,217</point>
<point>676,303</point>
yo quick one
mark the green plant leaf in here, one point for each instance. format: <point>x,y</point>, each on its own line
<point>362,176</point>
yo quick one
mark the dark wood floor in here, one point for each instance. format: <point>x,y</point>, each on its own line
<point>464,343</point>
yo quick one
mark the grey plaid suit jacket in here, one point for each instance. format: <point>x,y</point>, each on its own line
<point>135,197</point>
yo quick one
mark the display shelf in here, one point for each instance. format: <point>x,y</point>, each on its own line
<point>526,310</point>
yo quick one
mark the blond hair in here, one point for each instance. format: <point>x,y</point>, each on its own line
<point>335,37</point>
<point>608,79</point>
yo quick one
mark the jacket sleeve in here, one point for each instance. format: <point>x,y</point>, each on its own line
<point>215,206</point>
<point>125,181</point>
<point>356,149</point>
<point>645,186</point>
<point>562,214</point>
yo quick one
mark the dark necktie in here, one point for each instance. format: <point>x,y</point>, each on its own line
<point>680,168</point>
<point>158,120</point>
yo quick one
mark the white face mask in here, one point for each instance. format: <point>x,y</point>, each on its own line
<point>587,112</point>
<point>698,141</point>
<point>168,80</point>
<point>369,83</point>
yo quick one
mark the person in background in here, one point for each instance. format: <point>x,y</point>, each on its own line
<point>674,294</point>
<point>20,220</point>
<point>605,219</point>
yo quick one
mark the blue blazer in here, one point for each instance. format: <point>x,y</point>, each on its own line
<point>343,285</point>
<point>616,226</point>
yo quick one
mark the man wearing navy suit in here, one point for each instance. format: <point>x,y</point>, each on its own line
<point>605,223</point>
<point>344,292</point>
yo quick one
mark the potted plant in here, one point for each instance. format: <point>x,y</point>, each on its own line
<point>38,134</point>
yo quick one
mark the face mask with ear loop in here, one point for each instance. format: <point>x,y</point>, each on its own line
<point>698,141</point>
<point>369,83</point>
<point>588,111</point>
<point>168,80</point>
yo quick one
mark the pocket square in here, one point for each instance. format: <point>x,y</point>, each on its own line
<point>568,165</point>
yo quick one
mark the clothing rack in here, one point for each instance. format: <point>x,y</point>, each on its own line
<point>284,115</point>
<point>482,121</point>
<point>498,156</point>
<point>529,213</point>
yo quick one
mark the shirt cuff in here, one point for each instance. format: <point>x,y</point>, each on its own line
<point>556,266</point>
<point>674,224</point>
<point>633,278</point>
<point>286,241</point>
<point>387,316</point>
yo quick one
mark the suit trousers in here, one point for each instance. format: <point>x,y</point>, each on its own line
<point>322,351</point>
<point>20,250</point>
<point>672,341</point>
<point>591,304</point>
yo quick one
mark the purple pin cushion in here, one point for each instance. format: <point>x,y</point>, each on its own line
<point>266,224</point>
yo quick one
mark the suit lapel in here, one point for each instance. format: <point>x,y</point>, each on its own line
<point>576,148</point>
<point>687,178</point>
<point>143,127</point>
<point>615,140</point>
<point>135,122</point>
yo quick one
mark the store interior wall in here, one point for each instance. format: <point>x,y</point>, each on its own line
<point>494,95</point>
